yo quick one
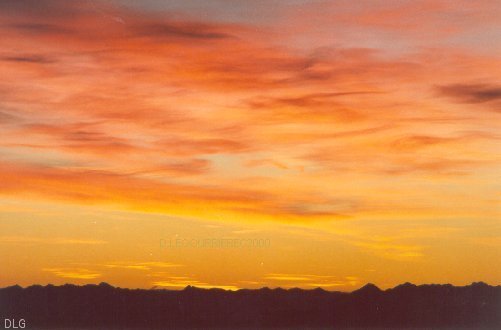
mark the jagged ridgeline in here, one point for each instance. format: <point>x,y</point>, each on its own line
<point>475,306</point>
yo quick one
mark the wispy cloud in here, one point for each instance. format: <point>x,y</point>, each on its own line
<point>142,265</point>
<point>176,282</point>
<point>392,250</point>
<point>73,273</point>
<point>309,280</point>
<point>471,93</point>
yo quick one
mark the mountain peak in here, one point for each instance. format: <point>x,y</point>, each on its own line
<point>406,285</point>
<point>479,284</point>
<point>369,288</point>
<point>105,285</point>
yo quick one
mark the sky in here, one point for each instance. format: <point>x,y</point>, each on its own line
<point>243,144</point>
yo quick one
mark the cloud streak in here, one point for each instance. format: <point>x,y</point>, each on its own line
<point>73,273</point>
<point>471,93</point>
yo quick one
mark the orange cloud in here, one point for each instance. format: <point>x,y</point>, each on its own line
<point>165,113</point>
<point>73,273</point>
<point>309,280</point>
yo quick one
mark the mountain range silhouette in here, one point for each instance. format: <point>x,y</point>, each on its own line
<point>103,306</point>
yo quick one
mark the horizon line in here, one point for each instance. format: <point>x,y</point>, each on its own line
<point>156,288</point>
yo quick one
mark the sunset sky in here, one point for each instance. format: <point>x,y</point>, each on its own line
<point>361,139</point>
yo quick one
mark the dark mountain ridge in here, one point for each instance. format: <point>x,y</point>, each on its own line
<point>103,306</point>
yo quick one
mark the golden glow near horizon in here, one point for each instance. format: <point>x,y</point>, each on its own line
<point>160,146</point>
